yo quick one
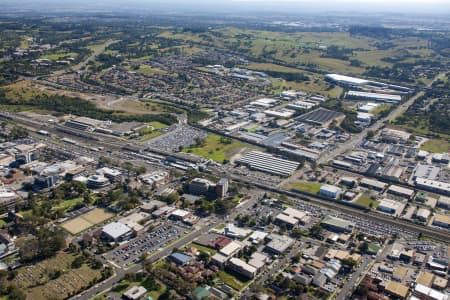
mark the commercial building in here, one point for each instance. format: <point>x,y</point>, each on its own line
<point>289,221</point>
<point>222,187</point>
<point>179,215</point>
<point>423,292</point>
<point>155,179</point>
<point>112,174</point>
<point>180,259</point>
<point>231,249</point>
<point>97,181</point>
<point>199,186</point>
<point>258,260</point>
<point>134,220</point>
<point>116,231</point>
<point>387,98</point>
<point>242,267</point>
<point>397,289</point>
<point>330,191</point>
<point>268,163</point>
<point>278,244</point>
<point>337,224</point>
<point>8,199</point>
<point>135,293</point>
<point>441,221</point>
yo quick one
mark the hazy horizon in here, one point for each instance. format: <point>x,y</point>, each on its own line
<point>441,7</point>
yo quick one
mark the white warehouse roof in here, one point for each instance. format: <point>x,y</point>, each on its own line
<point>346,79</point>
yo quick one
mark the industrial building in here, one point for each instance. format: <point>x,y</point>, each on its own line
<point>441,221</point>
<point>268,163</point>
<point>400,191</point>
<point>444,202</point>
<point>387,98</point>
<point>372,184</point>
<point>330,191</point>
<point>264,102</point>
<point>433,185</point>
<point>390,206</point>
<point>389,135</point>
<point>429,172</point>
<point>282,113</point>
<point>422,215</point>
<point>337,224</point>
<point>347,80</point>
<point>321,117</point>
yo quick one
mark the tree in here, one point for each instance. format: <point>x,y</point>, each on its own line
<point>370,134</point>
<point>363,247</point>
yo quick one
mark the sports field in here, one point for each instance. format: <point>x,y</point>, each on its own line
<point>87,220</point>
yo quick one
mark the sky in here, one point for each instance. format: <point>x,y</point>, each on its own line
<point>291,6</point>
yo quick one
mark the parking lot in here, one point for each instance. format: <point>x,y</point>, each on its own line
<point>181,137</point>
<point>362,224</point>
<point>146,243</point>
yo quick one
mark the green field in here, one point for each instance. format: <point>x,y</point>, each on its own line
<point>146,70</point>
<point>380,108</point>
<point>436,145</point>
<point>58,56</point>
<point>205,249</point>
<point>365,200</point>
<point>67,204</point>
<point>150,136</point>
<point>232,280</point>
<point>214,148</point>
<point>309,187</point>
<point>157,125</point>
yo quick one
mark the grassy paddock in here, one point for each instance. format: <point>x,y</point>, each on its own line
<point>436,145</point>
<point>309,187</point>
<point>214,148</point>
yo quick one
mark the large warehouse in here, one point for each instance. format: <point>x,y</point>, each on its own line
<point>268,163</point>
<point>388,98</point>
<point>346,79</point>
<point>321,117</point>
